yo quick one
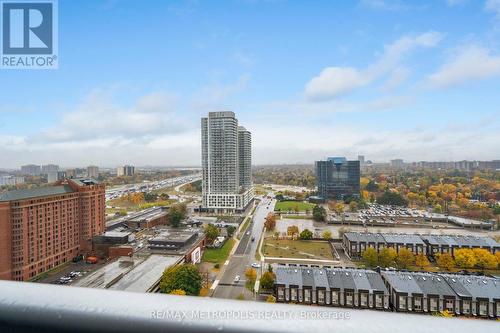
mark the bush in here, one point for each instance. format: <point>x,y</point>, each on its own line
<point>306,234</point>
<point>392,198</point>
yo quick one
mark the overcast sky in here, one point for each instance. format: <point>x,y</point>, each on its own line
<point>418,80</point>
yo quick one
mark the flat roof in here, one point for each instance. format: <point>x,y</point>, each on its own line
<point>35,192</point>
<point>175,235</point>
<point>149,215</point>
<point>105,276</point>
<point>145,275</point>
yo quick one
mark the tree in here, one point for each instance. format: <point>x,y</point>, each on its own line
<point>279,197</point>
<point>211,233</point>
<point>371,186</point>
<point>339,208</point>
<point>179,292</point>
<point>251,274</point>
<point>370,257</point>
<point>150,197</point>
<point>405,258</point>
<point>353,206</point>
<point>267,280</point>
<point>421,261</point>
<point>392,198</point>
<point>306,234</point>
<point>387,257</point>
<point>184,276</point>
<point>230,230</point>
<point>438,209</point>
<point>319,213</point>
<point>164,196</point>
<point>465,258</point>
<point>292,230</point>
<point>485,259</point>
<point>327,234</point>
<point>271,299</point>
<point>177,213</point>
<point>445,260</point>
<point>270,222</point>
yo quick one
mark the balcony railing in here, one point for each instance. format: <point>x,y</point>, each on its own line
<point>32,307</point>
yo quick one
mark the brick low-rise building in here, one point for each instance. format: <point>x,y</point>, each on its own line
<point>44,227</point>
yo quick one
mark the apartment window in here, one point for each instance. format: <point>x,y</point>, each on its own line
<point>321,297</point>
<point>378,301</point>
<point>281,293</point>
<point>348,298</point>
<point>433,304</point>
<point>466,307</point>
<point>307,295</point>
<point>293,294</point>
<point>402,302</point>
<point>498,309</point>
<point>335,297</point>
<point>417,303</point>
<point>483,308</point>
<point>364,299</point>
<point>449,305</point>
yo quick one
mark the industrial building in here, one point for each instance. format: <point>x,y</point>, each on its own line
<point>188,243</point>
<point>148,218</point>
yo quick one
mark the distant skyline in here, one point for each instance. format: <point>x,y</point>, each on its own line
<point>386,79</point>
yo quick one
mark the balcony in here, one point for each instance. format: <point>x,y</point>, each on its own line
<point>31,307</point>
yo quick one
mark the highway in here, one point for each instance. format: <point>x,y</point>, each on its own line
<point>244,255</point>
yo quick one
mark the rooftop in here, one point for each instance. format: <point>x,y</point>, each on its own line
<point>145,275</point>
<point>37,192</point>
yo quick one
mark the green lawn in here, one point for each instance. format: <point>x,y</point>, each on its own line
<point>285,248</point>
<point>293,206</point>
<point>220,255</point>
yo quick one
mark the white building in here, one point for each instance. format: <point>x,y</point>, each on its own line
<point>11,180</point>
<point>126,170</point>
<point>92,171</point>
<point>226,151</point>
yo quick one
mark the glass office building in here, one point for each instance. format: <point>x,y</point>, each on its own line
<point>337,178</point>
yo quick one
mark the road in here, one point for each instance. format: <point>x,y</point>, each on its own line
<point>244,255</point>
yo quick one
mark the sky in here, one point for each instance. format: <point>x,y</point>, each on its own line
<point>418,80</point>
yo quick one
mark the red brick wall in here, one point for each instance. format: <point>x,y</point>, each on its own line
<point>5,242</point>
<point>120,251</point>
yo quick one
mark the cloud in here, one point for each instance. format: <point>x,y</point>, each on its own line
<point>337,81</point>
<point>493,6</point>
<point>100,117</point>
<point>214,96</point>
<point>468,64</point>
<point>396,78</point>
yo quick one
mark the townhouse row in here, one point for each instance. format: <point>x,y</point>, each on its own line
<point>355,243</point>
<point>417,292</point>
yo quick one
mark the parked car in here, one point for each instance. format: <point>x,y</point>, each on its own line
<point>237,278</point>
<point>256,265</point>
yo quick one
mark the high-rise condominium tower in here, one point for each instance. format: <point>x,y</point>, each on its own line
<point>226,154</point>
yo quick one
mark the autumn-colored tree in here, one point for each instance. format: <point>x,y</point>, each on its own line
<point>465,258</point>
<point>306,234</point>
<point>353,206</point>
<point>251,274</point>
<point>179,292</point>
<point>421,261</point>
<point>327,234</point>
<point>292,230</point>
<point>270,222</point>
<point>445,260</point>
<point>387,257</point>
<point>267,280</point>
<point>485,259</point>
<point>405,258</point>
<point>370,257</point>
<point>271,299</point>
